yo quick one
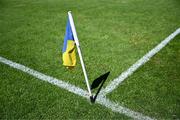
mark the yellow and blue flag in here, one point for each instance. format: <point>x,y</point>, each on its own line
<point>69,54</point>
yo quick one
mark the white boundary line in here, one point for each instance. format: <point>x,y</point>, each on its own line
<point>76,90</point>
<point>115,83</point>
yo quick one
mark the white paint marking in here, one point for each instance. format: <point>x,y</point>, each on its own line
<point>44,77</point>
<point>115,83</point>
<point>117,108</point>
<point>76,90</point>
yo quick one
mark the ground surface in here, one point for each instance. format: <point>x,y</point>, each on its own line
<point>113,35</point>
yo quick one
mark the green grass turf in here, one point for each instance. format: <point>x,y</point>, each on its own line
<point>154,89</point>
<point>25,97</point>
<point>113,34</point>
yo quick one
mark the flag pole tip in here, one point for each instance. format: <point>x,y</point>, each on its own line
<point>92,99</point>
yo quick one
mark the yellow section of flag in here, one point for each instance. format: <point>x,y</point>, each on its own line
<point>69,56</point>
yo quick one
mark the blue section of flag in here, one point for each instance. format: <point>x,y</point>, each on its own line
<point>68,35</point>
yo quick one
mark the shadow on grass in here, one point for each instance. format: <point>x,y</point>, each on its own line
<point>100,80</point>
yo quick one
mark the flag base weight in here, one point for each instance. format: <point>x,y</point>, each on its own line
<point>92,99</point>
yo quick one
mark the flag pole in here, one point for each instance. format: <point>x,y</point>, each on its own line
<point>79,52</point>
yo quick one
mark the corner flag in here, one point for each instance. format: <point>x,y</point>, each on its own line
<point>70,42</point>
<point>69,54</point>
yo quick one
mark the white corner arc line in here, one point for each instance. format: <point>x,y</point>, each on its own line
<point>115,83</point>
<point>76,90</point>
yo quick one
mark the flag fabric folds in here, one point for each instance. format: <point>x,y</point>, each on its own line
<point>69,54</point>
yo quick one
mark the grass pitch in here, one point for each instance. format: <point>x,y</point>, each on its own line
<point>113,35</point>
<point>154,88</point>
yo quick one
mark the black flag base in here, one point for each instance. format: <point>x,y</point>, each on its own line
<point>100,80</point>
<point>92,99</point>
